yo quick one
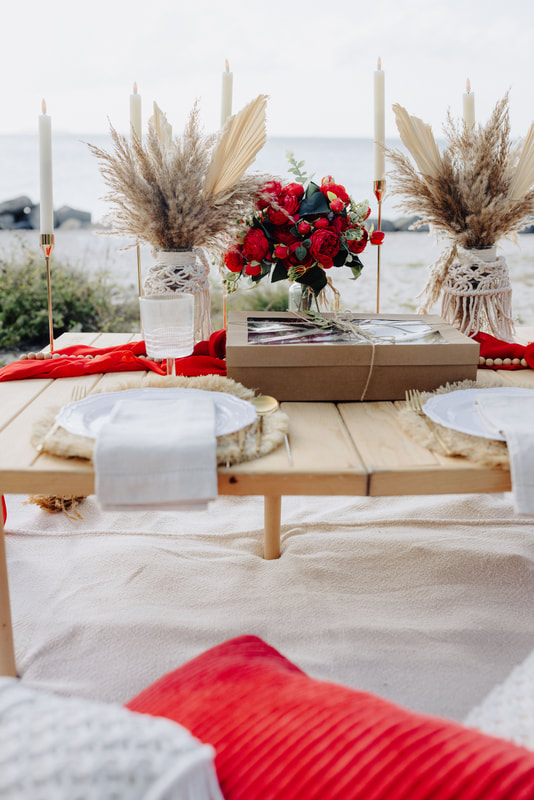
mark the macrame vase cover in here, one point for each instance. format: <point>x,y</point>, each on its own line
<point>183,271</point>
<point>475,289</point>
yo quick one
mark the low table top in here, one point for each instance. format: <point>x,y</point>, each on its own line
<point>337,449</point>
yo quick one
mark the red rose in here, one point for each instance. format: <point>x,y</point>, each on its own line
<point>281,251</point>
<point>234,260</point>
<point>324,246</point>
<point>358,245</point>
<point>253,269</point>
<point>255,245</point>
<point>294,189</point>
<point>336,225</point>
<point>304,227</point>
<point>322,222</point>
<point>338,191</point>
<point>337,205</point>
<point>303,259</point>
<point>271,190</point>
<point>286,204</point>
<point>284,235</point>
<point>377,237</point>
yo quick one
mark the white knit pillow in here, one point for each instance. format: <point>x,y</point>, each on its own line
<point>508,710</point>
<point>69,748</point>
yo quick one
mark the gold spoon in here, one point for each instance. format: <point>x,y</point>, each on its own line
<point>265,404</point>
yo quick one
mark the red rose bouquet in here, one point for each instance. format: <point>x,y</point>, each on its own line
<point>298,231</point>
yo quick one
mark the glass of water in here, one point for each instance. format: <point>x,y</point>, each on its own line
<point>167,322</point>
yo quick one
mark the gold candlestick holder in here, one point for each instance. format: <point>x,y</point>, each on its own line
<point>379,188</point>
<point>47,245</point>
<point>225,321</point>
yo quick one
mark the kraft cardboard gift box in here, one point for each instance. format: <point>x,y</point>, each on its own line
<point>294,357</point>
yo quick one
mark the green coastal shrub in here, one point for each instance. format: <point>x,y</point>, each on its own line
<point>79,302</point>
<point>83,301</point>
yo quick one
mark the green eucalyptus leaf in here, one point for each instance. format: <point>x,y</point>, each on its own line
<point>356,269</point>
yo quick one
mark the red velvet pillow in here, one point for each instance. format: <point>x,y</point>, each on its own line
<point>280,734</point>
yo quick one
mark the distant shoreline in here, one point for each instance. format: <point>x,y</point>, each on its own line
<point>20,213</point>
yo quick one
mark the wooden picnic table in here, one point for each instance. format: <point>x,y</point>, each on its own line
<point>336,449</point>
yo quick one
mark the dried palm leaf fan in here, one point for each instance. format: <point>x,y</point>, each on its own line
<point>184,196</point>
<point>479,191</point>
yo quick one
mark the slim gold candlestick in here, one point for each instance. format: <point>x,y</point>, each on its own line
<point>47,245</point>
<point>379,188</point>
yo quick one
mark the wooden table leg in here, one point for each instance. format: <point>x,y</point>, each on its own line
<point>272,511</point>
<point>7,650</point>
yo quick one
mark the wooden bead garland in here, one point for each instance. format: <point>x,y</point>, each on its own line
<point>497,363</point>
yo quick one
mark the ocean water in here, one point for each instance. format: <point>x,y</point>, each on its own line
<point>78,183</point>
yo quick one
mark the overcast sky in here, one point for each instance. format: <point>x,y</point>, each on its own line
<point>315,60</point>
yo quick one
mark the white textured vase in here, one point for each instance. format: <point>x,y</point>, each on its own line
<point>184,271</point>
<point>477,294</point>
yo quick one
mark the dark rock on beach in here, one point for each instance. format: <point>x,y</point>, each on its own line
<point>407,223</point>
<point>21,213</point>
<point>386,225</point>
<point>397,225</point>
<point>66,213</point>
<point>15,213</point>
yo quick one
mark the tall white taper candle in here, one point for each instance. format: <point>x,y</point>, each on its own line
<point>226,100</point>
<point>379,122</point>
<point>469,105</point>
<point>136,124</point>
<point>45,168</point>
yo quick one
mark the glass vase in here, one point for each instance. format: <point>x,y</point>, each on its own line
<point>184,271</point>
<point>301,298</point>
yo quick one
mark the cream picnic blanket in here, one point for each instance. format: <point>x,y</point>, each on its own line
<point>428,601</point>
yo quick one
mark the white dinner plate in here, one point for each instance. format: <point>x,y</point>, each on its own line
<point>457,410</point>
<point>86,417</point>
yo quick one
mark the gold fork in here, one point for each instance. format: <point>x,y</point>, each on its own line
<point>78,393</point>
<point>413,399</point>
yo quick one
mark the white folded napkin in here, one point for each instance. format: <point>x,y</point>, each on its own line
<point>512,415</point>
<point>159,453</point>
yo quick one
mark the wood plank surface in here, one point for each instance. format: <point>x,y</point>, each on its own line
<point>16,395</point>
<point>325,461</point>
<point>381,442</point>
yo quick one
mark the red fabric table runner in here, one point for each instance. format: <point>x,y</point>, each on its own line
<point>207,358</point>
<point>490,347</point>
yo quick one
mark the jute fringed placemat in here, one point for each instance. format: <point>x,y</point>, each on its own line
<point>488,452</point>
<point>231,449</point>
